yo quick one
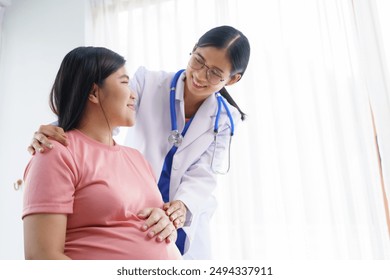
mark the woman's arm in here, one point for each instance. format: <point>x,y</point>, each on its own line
<point>44,236</point>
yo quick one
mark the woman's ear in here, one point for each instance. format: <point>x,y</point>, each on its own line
<point>234,79</point>
<point>93,94</point>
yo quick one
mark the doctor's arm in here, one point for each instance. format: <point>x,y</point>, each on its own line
<point>44,236</point>
<point>197,186</point>
<point>198,182</point>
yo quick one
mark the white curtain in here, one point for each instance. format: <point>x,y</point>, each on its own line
<point>305,181</point>
<point>2,10</point>
<point>375,58</point>
<point>3,4</point>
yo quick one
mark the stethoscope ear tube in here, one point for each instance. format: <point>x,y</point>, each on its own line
<point>175,138</point>
<point>172,99</point>
<point>221,100</point>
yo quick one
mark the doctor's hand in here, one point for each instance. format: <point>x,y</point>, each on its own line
<point>41,141</point>
<point>177,212</point>
<point>158,224</point>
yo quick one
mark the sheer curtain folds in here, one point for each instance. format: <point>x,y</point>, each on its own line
<point>305,181</point>
<point>3,5</point>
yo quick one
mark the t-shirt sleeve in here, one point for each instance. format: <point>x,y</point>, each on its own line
<point>50,180</point>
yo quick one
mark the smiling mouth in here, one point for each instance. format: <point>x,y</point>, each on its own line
<point>197,85</point>
<point>131,106</point>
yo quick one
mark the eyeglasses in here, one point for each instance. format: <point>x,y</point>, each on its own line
<point>213,75</point>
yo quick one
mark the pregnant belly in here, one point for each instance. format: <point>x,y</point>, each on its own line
<point>123,241</point>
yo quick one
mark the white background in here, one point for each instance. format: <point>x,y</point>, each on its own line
<point>36,36</point>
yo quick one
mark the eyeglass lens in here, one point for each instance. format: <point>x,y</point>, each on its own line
<point>212,74</point>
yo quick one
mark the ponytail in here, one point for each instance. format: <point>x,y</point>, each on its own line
<point>231,101</point>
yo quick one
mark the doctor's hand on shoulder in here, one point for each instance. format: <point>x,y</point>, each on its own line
<point>40,140</point>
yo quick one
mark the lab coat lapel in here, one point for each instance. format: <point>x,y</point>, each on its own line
<point>203,121</point>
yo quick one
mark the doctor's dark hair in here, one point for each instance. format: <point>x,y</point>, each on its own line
<point>80,69</point>
<point>237,48</point>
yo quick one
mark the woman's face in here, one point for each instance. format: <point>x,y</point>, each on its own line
<point>117,99</point>
<point>208,70</point>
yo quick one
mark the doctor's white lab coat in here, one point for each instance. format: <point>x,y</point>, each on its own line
<point>192,180</point>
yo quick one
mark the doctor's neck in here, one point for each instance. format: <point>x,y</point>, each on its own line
<point>192,102</point>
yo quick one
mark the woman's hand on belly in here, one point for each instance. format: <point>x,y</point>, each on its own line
<point>158,224</point>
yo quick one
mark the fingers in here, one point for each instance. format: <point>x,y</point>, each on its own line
<point>177,212</point>
<point>31,150</point>
<point>162,230</point>
<point>168,234</point>
<point>36,146</point>
<point>145,214</point>
<point>172,237</point>
<point>178,218</point>
<point>41,141</point>
<point>166,205</point>
<point>54,132</point>
<point>157,223</point>
<point>179,222</point>
<point>175,206</point>
<point>152,216</point>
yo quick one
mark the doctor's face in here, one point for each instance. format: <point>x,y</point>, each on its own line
<point>208,70</point>
<point>117,99</point>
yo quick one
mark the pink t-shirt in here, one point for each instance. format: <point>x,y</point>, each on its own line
<point>102,189</point>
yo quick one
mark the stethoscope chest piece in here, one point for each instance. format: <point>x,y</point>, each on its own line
<point>175,138</point>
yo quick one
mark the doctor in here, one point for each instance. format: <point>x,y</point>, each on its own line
<point>185,123</point>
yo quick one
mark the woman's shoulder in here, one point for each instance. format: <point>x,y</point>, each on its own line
<point>132,152</point>
<point>56,158</point>
<point>65,153</point>
<point>59,149</point>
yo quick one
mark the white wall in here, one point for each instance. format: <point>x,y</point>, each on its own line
<point>36,36</point>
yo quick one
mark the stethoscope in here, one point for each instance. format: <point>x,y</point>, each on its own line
<point>176,138</point>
